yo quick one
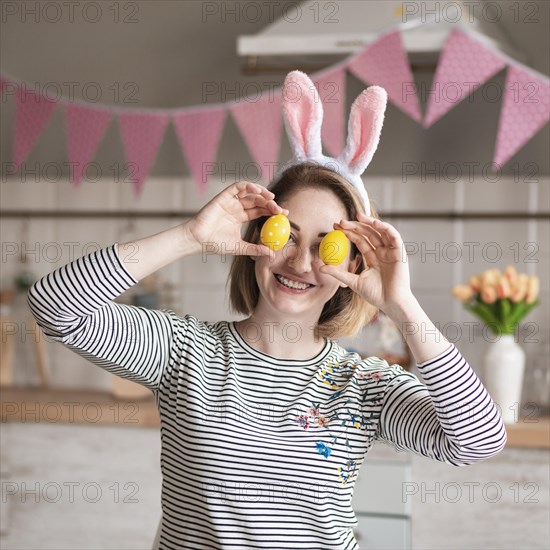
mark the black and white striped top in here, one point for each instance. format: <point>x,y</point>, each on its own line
<point>259,452</point>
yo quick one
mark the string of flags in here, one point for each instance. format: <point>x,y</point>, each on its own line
<point>464,65</point>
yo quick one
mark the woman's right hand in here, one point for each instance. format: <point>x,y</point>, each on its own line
<point>218,224</point>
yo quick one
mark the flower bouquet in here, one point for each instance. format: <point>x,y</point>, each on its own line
<point>500,300</point>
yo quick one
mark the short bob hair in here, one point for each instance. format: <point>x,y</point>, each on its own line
<point>346,313</point>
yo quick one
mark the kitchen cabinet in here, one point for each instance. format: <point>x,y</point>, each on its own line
<point>383,515</point>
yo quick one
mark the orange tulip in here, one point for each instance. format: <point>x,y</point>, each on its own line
<point>475,283</point>
<point>490,277</point>
<point>463,292</point>
<point>511,274</point>
<point>488,294</point>
<point>533,285</point>
<point>503,287</point>
<point>520,288</point>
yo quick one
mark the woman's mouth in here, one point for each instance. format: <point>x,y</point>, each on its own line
<point>291,286</point>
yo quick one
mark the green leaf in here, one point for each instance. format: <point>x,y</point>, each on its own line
<point>486,315</point>
<point>527,309</point>
<point>505,308</point>
<point>505,315</point>
<point>519,312</point>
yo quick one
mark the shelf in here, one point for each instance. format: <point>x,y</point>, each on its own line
<point>529,432</point>
<point>39,404</point>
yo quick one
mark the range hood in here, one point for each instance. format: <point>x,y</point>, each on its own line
<point>314,34</point>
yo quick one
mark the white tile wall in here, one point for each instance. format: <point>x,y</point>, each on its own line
<point>411,195</point>
<point>431,251</point>
<point>501,195</point>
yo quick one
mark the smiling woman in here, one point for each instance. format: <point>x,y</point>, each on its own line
<point>265,422</point>
<point>330,197</point>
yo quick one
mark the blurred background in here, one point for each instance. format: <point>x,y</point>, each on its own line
<point>116,81</point>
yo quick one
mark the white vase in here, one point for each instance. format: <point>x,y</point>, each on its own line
<point>504,369</point>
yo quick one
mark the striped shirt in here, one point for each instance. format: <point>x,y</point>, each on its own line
<point>260,452</point>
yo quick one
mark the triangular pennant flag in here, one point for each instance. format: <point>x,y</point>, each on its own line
<point>85,128</point>
<point>525,110</point>
<point>199,134</point>
<point>260,124</point>
<point>141,136</point>
<point>385,63</point>
<point>332,92</point>
<point>464,66</point>
<point>32,112</point>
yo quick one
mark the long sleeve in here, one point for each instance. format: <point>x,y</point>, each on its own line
<point>74,306</point>
<point>450,418</point>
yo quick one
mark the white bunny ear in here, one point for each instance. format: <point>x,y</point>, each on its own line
<point>364,128</point>
<point>303,114</point>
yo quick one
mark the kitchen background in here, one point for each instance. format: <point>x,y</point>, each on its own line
<point>176,54</point>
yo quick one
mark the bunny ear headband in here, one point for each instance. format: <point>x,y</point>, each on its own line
<point>303,115</point>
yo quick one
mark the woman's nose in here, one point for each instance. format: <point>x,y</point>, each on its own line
<point>301,258</point>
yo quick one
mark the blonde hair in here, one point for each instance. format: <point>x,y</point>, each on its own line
<point>346,313</point>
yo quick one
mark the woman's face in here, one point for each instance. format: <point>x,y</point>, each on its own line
<point>312,214</point>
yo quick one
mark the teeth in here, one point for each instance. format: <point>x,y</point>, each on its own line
<point>292,284</point>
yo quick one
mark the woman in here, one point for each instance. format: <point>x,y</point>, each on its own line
<point>266,421</point>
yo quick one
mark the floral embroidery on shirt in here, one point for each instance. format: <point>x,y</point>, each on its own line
<point>348,472</point>
<point>313,417</point>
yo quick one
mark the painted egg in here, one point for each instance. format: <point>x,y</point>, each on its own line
<point>275,232</point>
<point>334,247</point>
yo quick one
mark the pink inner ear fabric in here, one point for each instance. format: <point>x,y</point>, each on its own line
<point>299,122</point>
<point>300,118</point>
<point>302,114</point>
<point>362,128</point>
<point>367,115</point>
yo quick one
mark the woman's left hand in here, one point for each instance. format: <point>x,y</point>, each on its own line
<point>385,282</point>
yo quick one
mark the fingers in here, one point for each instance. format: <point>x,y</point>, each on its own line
<point>372,237</point>
<point>257,198</point>
<point>363,244</point>
<point>242,188</point>
<point>379,233</point>
<point>250,249</point>
<point>343,276</point>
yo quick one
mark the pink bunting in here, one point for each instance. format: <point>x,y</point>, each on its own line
<point>142,134</point>
<point>85,129</point>
<point>199,135</point>
<point>385,63</point>
<point>32,112</point>
<point>464,65</point>
<point>260,123</point>
<point>525,110</point>
<point>332,92</point>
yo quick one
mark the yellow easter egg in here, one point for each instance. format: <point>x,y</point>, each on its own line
<point>334,247</point>
<point>275,232</point>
